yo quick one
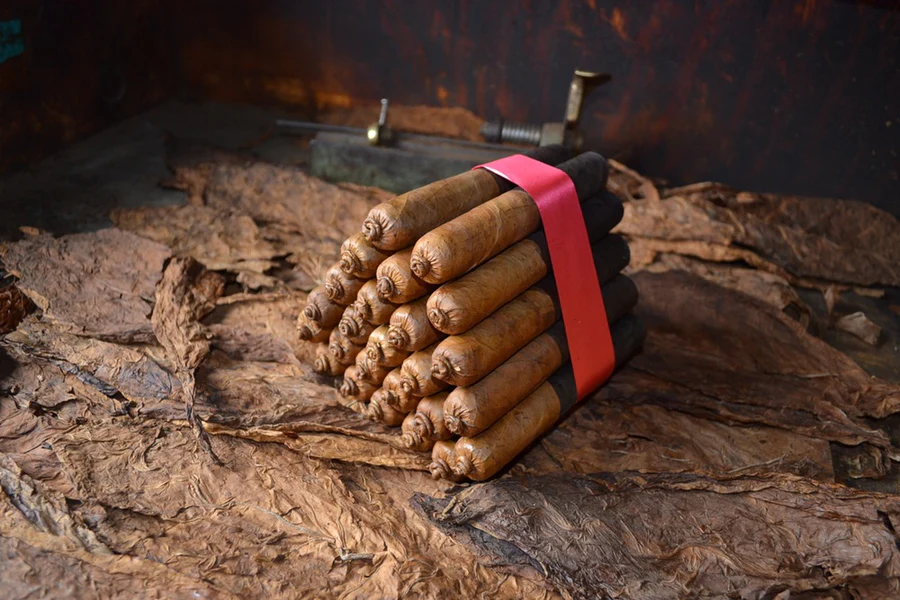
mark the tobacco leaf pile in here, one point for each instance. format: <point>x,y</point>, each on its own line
<point>161,435</point>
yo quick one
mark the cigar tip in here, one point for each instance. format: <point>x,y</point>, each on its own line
<point>305,333</point>
<point>374,411</point>
<point>437,470</point>
<point>438,317</point>
<point>439,368</point>
<point>321,365</point>
<point>453,423</point>
<point>336,350</point>
<point>348,262</point>
<point>391,398</point>
<point>422,426</point>
<point>347,326</point>
<point>312,312</point>
<point>419,265</point>
<point>385,288</point>
<point>372,229</point>
<point>398,337</point>
<point>408,440</point>
<point>334,290</point>
<point>463,466</point>
<point>349,388</point>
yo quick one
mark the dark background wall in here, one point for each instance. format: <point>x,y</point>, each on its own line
<point>786,96</point>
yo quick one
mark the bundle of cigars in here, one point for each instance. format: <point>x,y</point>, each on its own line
<point>443,315</point>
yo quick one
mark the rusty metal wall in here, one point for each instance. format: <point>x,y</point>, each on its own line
<point>68,69</point>
<point>787,96</point>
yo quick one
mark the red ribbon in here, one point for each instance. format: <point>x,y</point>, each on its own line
<point>584,314</point>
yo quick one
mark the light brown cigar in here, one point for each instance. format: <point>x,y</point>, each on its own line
<point>411,439</point>
<point>448,251</point>
<point>321,309</point>
<point>417,379</point>
<point>372,307</point>
<point>381,352</point>
<point>470,410</point>
<point>366,371</point>
<point>410,328</point>
<point>396,282</point>
<point>395,395</point>
<point>354,327</point>
<point>360,258</point>
<point>311,332</point>
<point>443,457</point>
<point>459,305</point>
<point>343,350</point>
<point>464,359</point>
<point>340,287</point>
<point>353,388</point>
<point>325,363</point>
<point>482,456</point>
<point>399,222</point>
<point>428,423</point>
<point>379,411</point>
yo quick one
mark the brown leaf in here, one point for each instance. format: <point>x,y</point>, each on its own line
<point>858,324</point>
<point>673,536</point>
<point>97,284</point>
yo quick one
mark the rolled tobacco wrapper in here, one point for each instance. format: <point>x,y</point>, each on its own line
<point>320,309</point>
<point>462,360</point>
<point>396,282</point>
<point>372,307</point>
<point>450,250</point>
<point>353,388</point>
<point>458,306</point>
<point>343,350</point>
<point>417,379</point>
<point>354,327</point>
<point>410,438</point>
<point>394,394</point>
<point>428,421</point>
<point>340,287</point>
<point>368,372</point>
<point>399,222</point>
<point>482,456</point>
<point>377,410</point>
<point>325,363</point>
<point>380,350</point>
<point>410,328</point>
<point>360,258</point>
<point>443,457</point>
<point>311,332</point>
<point>470,410</point>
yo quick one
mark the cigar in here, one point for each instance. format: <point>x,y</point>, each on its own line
<point>352,387</point>
<point>372,307</point>
<point>482,456</point>
<point>398,223</point>
<point>461,360</point>
<point>458,306</point>
<point>340,287</point>
<point>381,352</point>
<point>410,329</point>
<point>325,363</point>
<point>453,248</point>
<point>321,310</point>
<point>443,457</point>
<point>354,327</point>
<point>359,258</point>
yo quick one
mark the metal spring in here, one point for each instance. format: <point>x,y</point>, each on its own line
<point>512,133</point>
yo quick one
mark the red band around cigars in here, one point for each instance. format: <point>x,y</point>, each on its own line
<point>584,314</point>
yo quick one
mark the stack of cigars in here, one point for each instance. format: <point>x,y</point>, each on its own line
<point>443,317</point>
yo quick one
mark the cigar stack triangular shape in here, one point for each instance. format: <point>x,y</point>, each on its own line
<point>444,318</point>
